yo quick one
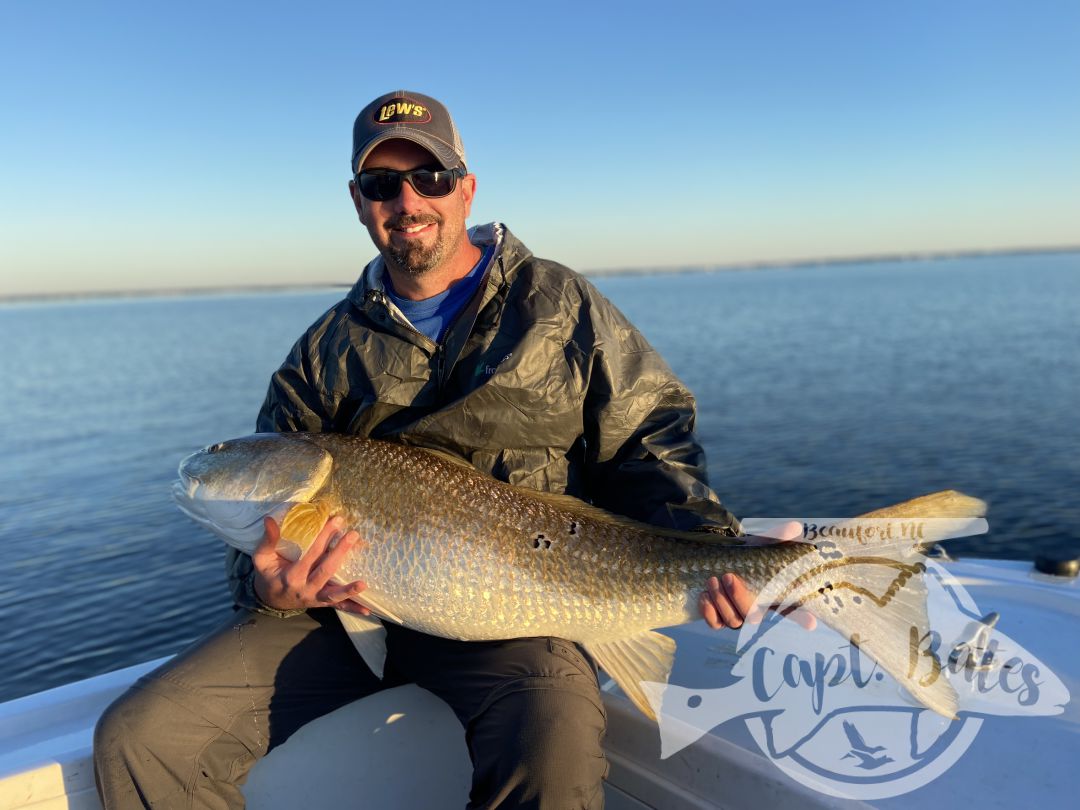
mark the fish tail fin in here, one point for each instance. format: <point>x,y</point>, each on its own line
<point>867,581</point>
<point>879,605</point>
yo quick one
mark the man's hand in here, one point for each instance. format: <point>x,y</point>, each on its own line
<point>285,585</point>
<point>727,602</point>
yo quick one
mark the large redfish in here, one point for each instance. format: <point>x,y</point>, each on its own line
<point>451,552</point>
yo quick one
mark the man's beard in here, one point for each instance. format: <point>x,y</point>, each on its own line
<point>416,260</point>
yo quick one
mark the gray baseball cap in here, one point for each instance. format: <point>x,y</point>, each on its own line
<point>413,117</point>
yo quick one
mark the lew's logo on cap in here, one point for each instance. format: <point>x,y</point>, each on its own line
<point>401,110</point>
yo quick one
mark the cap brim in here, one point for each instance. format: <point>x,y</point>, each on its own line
<point>445,154</point>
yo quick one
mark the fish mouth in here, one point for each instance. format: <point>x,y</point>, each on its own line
<point>185,489</point>
<point>235,522</point>
<point>184,496</point>
<point>185,493</point>
<point>186,484</point>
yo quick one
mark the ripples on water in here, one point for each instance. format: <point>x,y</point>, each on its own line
<point>822,391</point>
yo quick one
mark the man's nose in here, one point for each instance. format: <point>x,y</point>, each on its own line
<point>408,200</point>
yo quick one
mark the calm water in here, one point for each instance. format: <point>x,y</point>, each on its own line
<point>829,390</point>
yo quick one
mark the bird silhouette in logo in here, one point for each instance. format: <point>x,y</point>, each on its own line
<point>863,752</point>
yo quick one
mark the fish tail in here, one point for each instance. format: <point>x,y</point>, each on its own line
<point>879,605</point>
<point>867,581</point>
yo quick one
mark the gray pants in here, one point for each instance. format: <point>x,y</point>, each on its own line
<point>186,735</point>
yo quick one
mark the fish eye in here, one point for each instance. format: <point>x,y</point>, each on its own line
<point>215,447</point>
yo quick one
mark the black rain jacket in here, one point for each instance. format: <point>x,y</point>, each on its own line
<point>540,382</point>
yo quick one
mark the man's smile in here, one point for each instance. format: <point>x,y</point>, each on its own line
<point>409,231</point>
<point>414,230</point>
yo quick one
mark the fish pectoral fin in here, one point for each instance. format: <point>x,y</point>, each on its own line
<point>373,601</point>
<point>303,523</point>
<point>632,661</point>
<point>369,637</point>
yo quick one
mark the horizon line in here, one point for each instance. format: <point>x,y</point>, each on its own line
<point>763,264</point>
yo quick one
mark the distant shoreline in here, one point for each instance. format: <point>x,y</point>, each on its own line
<point>870,258</point>
<point>768,264</point>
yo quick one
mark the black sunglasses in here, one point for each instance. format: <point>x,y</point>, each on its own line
<point>381,185</point>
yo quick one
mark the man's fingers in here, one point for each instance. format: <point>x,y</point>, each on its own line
<point>723,603</point>
<point>302,567</point>
<point>738,594</point>
<point>803,617</point>
<point>780,533</point>
<point>340,596</point>
<point>797,614</point>
<point>331,561</point>
<point>349,606</point>
<point>727,602</point>
<point>792,530</point>
<point>708,612</point>
<point>715,607</point>
<point>271,535</point>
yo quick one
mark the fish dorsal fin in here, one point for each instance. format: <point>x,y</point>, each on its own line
<point>302,524</point>
<point>948,503</point>
<point>646,657</point>
<point>916,524</point>
<point>449,457</point>
<point>570,503</point>
<point>368,636</point>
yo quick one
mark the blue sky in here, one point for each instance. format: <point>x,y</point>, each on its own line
<point>155,145</point>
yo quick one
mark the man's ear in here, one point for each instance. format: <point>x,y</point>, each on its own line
<point>468,191</point>
<point>358,200</point>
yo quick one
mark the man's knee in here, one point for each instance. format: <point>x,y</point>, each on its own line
<point>135,720</point>
<point>149,749</point>
<point>127,742</point>
<point>541,748</point>
<point>560,738</point>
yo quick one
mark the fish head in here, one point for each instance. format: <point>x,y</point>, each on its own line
<point>229,487</point>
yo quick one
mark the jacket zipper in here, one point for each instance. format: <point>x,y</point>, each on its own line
<point>438,351</point>
<point>397,317</point>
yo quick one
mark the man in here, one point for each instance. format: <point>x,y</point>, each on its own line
<point>462,341</point>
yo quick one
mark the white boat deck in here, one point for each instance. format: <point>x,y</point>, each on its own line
<point>404,748</point>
